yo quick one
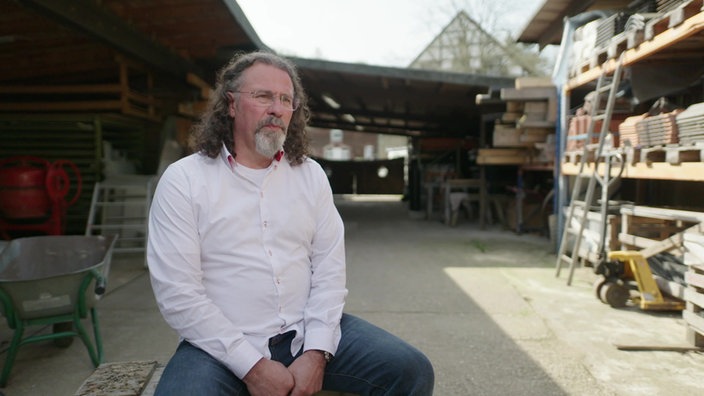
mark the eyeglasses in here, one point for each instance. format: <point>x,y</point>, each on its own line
<point>267,98</point>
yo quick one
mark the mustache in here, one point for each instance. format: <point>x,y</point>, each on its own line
<point>271,120</point>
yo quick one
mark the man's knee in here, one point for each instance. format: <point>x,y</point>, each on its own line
<point>416,374</point>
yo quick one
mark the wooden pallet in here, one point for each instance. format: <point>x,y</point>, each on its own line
<point>671,154</point>
<point>631,154</point>
<point>575,156</point>
<point>672,18</point>
<point>679,154</point>
<point>618,44</point>
<point>656,230</point>
<point>600,55</point>
<point>675,154</point>
<point>648,233</point>
<point>652,154</point>
<point>627,40</point>
<point>634,38</point>
<point>694,312</point>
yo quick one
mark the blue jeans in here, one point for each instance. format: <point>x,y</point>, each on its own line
<point>368,361</point>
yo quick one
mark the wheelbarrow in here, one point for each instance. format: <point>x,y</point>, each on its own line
<point>53,281</point>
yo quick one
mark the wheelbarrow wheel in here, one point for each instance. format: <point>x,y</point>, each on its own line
<point>598,285</point>
<point>614,294</point>
<point>63,342</point>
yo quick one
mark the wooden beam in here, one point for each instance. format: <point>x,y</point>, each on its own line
<point>60,89</point>
<point>205,89</point>
<point>690,171</point>
<point>62,106</point>
<point>90,18</point>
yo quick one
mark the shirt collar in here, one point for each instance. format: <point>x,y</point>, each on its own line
<point>230,159</point>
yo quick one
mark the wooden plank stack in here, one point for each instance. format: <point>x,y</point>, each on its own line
<point>525,133</point>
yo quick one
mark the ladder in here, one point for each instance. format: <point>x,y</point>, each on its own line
<point>606,85</point>
<point>120,206</point>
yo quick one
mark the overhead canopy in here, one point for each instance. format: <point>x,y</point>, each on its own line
<point>545,28</point>
<point>80,42</point>
<point>393,100</point>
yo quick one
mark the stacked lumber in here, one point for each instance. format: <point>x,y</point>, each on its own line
<point>125,94</point>
<point>503,156</point>
<point>525,132</point>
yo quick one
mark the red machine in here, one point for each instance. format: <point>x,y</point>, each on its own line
<point>33,195</point>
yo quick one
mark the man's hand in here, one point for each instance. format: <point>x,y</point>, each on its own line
<point>269,378</point>
<point>308,372</point>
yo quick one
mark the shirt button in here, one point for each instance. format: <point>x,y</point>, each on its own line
<point>265,224</point>
<point>270,254</point>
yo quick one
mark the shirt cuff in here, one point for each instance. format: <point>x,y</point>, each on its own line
<point>242,359</point>
<point>320,339</point>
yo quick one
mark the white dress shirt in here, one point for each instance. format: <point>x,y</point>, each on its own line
<point>236,258</point>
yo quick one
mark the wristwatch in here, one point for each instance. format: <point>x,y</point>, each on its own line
<point>327,356</point>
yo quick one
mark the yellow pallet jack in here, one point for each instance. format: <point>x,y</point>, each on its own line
<point>618,273</point>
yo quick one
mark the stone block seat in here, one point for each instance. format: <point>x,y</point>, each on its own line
<point>138,378</point>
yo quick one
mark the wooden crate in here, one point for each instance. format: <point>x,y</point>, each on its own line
<point>643,227</point>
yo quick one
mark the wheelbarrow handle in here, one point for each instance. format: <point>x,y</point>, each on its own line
<point>100,285</point>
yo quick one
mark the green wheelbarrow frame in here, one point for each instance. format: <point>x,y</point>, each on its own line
<point>22,314</point>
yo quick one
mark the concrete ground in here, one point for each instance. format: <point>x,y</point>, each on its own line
<point>484,305</point>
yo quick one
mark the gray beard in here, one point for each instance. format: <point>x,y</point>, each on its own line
<point>268,143</point>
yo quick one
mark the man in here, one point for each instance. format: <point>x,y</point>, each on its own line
<point>247,260</point>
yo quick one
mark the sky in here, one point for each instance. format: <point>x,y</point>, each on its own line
<point>376,32</point>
